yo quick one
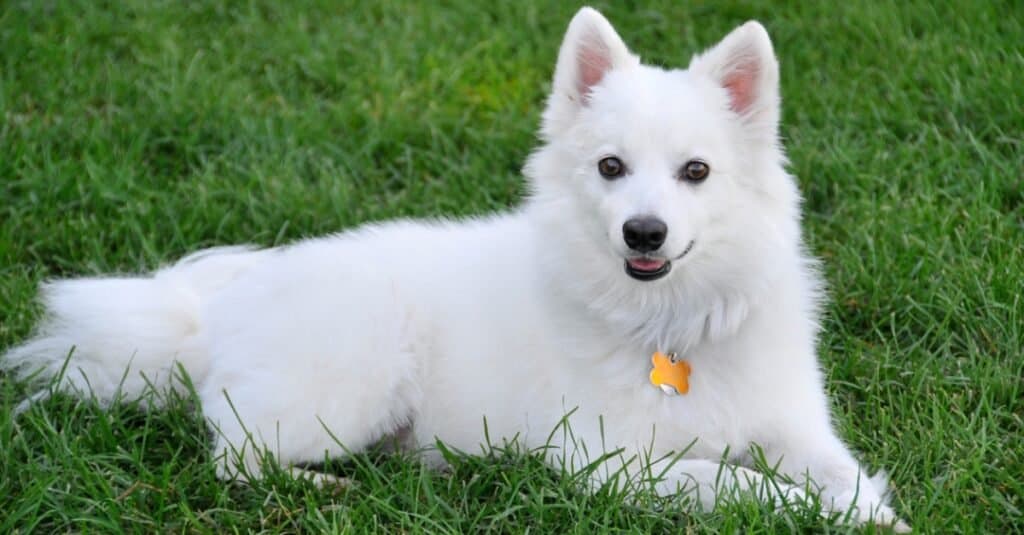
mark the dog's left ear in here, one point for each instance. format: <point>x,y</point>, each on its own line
<point>590,50</point>
<point>744,65</point>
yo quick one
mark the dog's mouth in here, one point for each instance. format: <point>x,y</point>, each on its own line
<point>646,268</point>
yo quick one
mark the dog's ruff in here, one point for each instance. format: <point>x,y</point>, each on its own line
<point>328,345</point>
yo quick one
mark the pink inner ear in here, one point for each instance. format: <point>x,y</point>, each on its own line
<point>593,62</point>
<point>741,83</point>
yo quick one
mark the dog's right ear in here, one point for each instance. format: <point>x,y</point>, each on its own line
<point>590,49</point>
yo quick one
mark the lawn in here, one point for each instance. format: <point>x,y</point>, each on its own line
<point>134,132</point>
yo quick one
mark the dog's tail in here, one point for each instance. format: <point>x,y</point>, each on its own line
<point>113,337</point>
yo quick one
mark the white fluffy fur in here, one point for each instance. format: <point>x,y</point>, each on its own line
<point>520,317</point>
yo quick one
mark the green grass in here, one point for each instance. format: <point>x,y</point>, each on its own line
<point>134,132</point>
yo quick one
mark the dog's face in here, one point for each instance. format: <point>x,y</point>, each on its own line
<point>652,160</point>
<point>662,169</point>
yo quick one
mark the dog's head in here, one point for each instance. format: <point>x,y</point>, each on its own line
<point>656,178</point>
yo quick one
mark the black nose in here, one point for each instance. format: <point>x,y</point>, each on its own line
<point>644,234</point>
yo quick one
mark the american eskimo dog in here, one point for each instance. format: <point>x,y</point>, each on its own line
<point>653,287</point>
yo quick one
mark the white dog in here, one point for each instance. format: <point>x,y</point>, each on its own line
<point>661,230</point>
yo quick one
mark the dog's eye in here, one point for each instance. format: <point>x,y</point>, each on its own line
<point>611,167</point>
<point>695,171</point>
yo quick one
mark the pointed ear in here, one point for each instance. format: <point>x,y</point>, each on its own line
<point>590,49</point>
<point>744,65</point>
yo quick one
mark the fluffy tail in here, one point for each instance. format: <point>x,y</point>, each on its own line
<point>112,337</point>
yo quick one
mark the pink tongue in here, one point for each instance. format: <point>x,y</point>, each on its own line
<point>646,264</point>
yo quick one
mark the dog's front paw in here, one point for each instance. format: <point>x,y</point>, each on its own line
<point>864,512</point>
<point>901,527</point>
<point>867,506</point>
<point>884,517</point>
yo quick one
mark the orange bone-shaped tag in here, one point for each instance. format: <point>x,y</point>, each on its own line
<point>673,376</point>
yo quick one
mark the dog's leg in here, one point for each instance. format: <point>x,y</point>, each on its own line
<point>298,431</point>
<point>298,425</point>
<point>324,370</point>
<point>711,483</point>
<point>244,465</point>
<point>814,456</point>
<point>702,482</point>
